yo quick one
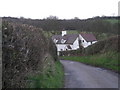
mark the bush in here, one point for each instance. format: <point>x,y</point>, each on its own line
<point>53,49</point>
<point>25,50</point>
<point>103,46</point>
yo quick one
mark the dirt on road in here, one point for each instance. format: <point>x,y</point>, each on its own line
<point>78,75</point>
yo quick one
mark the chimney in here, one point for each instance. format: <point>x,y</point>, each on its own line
<point>64,33</point>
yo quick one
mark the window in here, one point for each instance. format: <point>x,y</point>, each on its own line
<point>83,40</point>
<point>91,42</point>
<point>69,47</point>
<point>63,41</point>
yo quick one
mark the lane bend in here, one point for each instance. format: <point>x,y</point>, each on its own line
<point>78,75</point>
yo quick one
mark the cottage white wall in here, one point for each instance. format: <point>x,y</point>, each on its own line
<point>94,42</point>
<point>85,43</point>
<point>75,44</point>
<point>89,43</point>
<point>60,47</point>
<point>63,47</point>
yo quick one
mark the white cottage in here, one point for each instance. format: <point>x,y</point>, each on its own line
<point>87,39</point>
<point>66,41</point>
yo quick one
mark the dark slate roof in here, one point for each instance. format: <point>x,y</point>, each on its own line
<point>88,37</point>
<point>70,38</point>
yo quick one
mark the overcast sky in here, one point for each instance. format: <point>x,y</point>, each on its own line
<point>63,9</point>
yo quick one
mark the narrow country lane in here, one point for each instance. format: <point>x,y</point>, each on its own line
<point>78,75</point>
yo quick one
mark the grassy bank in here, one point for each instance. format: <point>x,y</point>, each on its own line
<point>48,80</point>
<point>108,60</point>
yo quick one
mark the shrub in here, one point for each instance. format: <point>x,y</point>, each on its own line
<point>103,46</point>
<point>24,52</point>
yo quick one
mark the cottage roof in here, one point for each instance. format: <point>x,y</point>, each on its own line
<point>70,38</point>
<point>88,37</point>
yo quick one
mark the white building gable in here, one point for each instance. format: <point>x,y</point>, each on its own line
<point>86,43</point>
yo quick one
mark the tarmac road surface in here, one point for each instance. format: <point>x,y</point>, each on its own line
<point>78,75</point>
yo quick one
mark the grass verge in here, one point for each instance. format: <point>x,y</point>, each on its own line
<point>108,60</point>
<point>49,79</point>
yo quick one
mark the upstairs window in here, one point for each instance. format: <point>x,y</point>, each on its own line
<point>63,41</point>
<point>55,40</point>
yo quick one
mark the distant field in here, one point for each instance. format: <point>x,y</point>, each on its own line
<point>72,32</point>
<point>113,21</point>
<point>47,33</point>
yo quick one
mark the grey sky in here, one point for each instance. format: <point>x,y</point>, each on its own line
<point>64,9</point>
